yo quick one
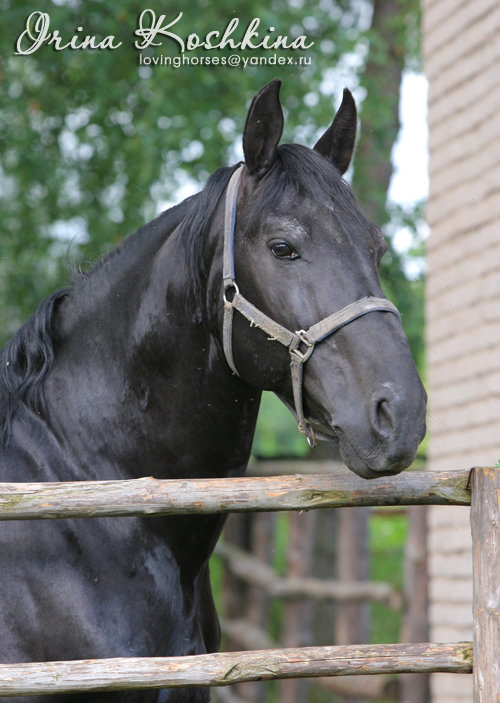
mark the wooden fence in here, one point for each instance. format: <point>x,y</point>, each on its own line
<point>268,599</point>
<point>479,488</point>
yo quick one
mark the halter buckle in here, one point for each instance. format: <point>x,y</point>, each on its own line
<point>295,350</point>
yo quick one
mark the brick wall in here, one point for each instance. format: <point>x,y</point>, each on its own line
<point>461,41</point>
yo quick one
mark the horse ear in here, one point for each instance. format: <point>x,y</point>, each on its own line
<point>263,129</point>
<point>337,143</point>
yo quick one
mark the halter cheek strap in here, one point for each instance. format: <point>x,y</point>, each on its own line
<point>301,343</point>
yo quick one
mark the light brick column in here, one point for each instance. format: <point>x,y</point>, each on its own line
<point>461,40</point>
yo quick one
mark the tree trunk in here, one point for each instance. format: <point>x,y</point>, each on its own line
<point>380,110</point>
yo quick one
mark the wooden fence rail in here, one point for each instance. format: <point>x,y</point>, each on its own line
<point>152,497</point>
<point>231,667</point>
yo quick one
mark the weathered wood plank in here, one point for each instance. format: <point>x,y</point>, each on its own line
<point>231,667</point>
<point>150,496</point>
<point>485,523</point>
<point>382,686</point>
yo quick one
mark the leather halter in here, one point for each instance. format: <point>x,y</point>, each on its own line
<point>301,343</point>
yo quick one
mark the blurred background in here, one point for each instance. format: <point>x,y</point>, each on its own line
<point>96,142</point>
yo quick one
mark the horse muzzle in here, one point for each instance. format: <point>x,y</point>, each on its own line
<point>387,442</point>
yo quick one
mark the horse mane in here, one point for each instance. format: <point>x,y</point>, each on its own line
<point>26,360</point>
<point>196,225</point>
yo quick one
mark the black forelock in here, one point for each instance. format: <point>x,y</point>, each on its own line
<point>307,172</point>
<point>303,172</point>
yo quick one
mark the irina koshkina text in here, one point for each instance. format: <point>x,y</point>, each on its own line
<point>154,31</point>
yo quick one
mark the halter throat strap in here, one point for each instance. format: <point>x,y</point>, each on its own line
<point>301,343</point>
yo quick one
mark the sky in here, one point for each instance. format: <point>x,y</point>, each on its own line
<point>410,182</point>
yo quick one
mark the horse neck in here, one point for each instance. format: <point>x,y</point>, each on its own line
<point>140,385</point>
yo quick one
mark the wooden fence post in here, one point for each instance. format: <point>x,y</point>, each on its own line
<point>485,523</point>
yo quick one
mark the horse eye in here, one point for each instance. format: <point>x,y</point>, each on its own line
<point>282,250</point>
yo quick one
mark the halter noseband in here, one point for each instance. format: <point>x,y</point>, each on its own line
<point>301,343</point>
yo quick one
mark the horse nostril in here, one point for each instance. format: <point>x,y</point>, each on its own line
<point>383,419</point>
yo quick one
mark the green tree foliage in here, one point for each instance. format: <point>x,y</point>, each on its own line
<point>93,142</point>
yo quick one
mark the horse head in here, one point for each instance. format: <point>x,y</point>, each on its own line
<point>301,273</point>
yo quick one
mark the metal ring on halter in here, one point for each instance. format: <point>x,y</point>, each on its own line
<point>227,286</point>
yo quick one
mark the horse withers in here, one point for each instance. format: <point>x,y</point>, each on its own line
<point>154,363</point>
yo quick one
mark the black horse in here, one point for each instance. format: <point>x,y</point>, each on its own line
<point>136,370</point>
